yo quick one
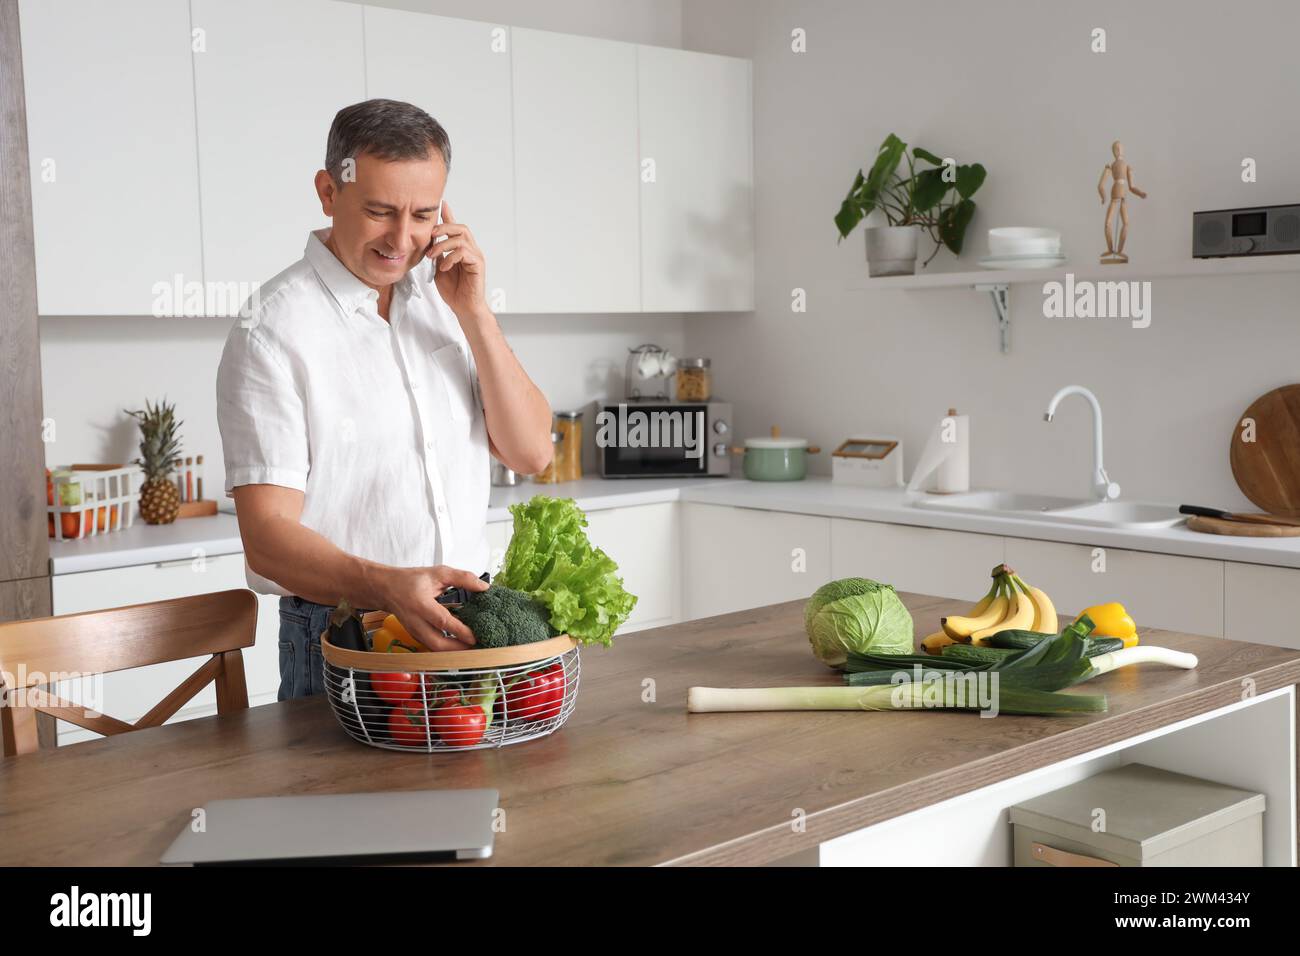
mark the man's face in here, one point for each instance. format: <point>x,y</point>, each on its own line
<point>383,220</point>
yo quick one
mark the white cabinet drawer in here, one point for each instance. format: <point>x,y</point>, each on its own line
<point>129,695</point>
<point>738,558</point>
<point>1158,590</point>
<point>952,564</point>
<point>1261,604</point>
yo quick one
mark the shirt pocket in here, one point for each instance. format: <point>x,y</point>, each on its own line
<point>453,366</point>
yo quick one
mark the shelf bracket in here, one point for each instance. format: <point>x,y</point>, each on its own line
<point>1002,306</point>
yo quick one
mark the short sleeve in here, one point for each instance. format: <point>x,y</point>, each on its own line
<point>260,415</point>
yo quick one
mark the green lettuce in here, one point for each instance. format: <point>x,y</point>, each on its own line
<point>550,558</point>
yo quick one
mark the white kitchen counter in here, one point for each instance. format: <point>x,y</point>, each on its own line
<point>818,496</point>
<point>144,544</point>
<point>219,534</point>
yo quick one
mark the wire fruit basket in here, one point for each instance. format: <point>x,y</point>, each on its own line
<point>440,700</point>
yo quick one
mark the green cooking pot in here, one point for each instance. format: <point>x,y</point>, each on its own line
<point>775,458</point>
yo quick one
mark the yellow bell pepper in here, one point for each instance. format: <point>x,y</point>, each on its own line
<point>1112,620</point>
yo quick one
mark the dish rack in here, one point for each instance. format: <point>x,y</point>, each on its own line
<point>399,701</point>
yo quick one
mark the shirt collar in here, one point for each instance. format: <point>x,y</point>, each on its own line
<point>348,291</point>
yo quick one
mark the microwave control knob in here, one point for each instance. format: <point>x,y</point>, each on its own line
<point>720,449</point>
<point>720,427</point>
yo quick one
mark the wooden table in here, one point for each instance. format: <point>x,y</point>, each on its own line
<point>632,778</point>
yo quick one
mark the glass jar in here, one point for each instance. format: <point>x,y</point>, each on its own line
<point>694,380</point>
<point>568,454</point>
<point>547,476</point>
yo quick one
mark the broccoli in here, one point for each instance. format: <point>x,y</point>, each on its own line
<point>502,616</point>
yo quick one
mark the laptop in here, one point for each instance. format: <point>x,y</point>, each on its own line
<point>347,828</point>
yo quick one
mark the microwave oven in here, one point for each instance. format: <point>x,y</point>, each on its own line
<point>662,439</point>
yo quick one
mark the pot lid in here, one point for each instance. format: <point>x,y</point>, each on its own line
<point>776,441</point>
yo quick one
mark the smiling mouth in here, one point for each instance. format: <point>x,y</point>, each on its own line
<point>389,258</point>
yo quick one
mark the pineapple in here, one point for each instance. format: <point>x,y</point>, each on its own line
<point>160,500</point>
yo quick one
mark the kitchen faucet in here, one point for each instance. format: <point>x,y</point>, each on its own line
<point>1102,486</point>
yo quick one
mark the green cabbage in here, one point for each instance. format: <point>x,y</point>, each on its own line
<point>858,615</point>
<point>550,558</point>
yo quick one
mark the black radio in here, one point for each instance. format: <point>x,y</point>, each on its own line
<point>1250,231</point>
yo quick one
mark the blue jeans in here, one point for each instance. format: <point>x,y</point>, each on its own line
<point>302,670</point>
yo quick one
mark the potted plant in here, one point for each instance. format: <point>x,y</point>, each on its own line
<point>936,200</point>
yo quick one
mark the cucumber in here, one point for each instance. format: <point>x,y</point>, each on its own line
<point>1017,640</point>
<point>975,654</point>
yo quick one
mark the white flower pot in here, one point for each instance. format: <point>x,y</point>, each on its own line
<point>891,250</point>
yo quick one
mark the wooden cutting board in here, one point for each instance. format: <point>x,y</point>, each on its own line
<point>1267,469</point>
<point>1247,529</point>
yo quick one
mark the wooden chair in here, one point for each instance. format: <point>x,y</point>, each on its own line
<point>100,642</point>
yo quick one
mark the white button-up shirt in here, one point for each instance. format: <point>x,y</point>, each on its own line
<point>379,424</point>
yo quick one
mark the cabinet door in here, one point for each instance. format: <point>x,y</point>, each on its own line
<point>697,216</point>
<point>1261,604</point>
<point>130,694</point>
<point>268,83</point>
<point>1159,590</point>
<point>498,535</point>
<point>458,71</point>
<point>645,543</point>
<point>953,564</point>
<point>575,133</point>
<point>110,134</point>
<point>738,558</point>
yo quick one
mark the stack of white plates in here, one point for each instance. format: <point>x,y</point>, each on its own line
<point>1023,247</point>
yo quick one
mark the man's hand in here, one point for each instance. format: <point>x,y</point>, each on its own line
<point>412,596</point>
<point>459,269</point>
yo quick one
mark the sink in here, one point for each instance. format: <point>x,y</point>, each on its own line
<point>1014,504</point>
<point>983,502</point>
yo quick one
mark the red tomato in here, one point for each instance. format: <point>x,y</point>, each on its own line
<point>406,725</point>
<point>396,686</point>
<point>459,726</point>
<point>538,695</point>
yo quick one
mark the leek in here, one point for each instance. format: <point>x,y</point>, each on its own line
<point>909,695</point>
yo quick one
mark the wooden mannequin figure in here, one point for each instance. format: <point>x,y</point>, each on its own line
<point>1121,174</point>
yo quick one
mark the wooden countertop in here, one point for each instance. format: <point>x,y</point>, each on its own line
<point>625,781</point>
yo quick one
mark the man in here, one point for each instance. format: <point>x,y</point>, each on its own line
<point>360,398</point>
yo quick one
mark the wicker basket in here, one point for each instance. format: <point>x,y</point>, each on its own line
<point>426,701</point>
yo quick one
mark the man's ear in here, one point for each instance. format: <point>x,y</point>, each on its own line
<point>327,190</point>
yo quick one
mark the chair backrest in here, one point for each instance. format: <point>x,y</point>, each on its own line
<point>44,650</point>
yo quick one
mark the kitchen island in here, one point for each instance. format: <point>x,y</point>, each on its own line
<point>633,779</point>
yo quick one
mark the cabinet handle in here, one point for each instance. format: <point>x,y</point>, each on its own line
<point>1054,857</point>
<point>186,562</point>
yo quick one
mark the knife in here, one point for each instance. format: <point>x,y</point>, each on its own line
<point>1232,516</point>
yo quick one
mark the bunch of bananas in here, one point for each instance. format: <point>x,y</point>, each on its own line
<point>1011,604</point>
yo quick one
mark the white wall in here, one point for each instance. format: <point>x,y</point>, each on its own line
<point>92,368</point>
<point>1190,88</point>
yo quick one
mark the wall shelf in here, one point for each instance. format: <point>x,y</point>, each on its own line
<point>997,283</point>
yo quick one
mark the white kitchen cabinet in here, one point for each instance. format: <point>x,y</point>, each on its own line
<point>934,561</point>
<point>697,214</point>
<point>1158,590</point>
<point>738,558</point>
<point>129,695</point>
<point>498,535</point>
<point>458,71</point>
<point>576,173</point>
<point>645,542</point>
<point>268,82</point>
<point>110,131</point>
<point>1261,604</point>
